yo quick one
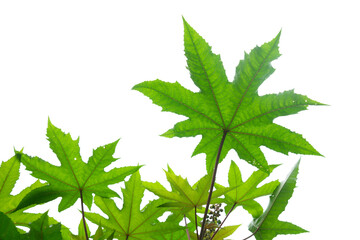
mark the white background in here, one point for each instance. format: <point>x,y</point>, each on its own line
<point>76,62</point>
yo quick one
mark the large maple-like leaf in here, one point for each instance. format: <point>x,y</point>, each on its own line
<point>230,112</point>
<point>244,193</point>
<point>130,222</point>
<point>184,196</point>
<point>267,226</point>
<point>75,178</point>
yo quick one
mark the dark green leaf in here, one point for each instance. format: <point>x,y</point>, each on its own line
<point>38,196</point>
<point>40,229</point>
<point>7,228</point>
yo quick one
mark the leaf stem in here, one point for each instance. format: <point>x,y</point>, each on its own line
<point>83,214</point>
<point>196,226</point>
<point>232,208</point>
<point>187,230</point>
<point>202,232</point>
<point>251,234</point>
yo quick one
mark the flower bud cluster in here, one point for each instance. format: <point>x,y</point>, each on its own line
<point>212,220</point>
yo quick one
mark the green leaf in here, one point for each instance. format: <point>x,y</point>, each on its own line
<point>7,228</point>
<point>244,193</point>
<point>38,196</point>
<point>177,217</point>
<point>74,176</point>
<point>267,226</point>
<point>130,222</point>
<point>225,232</point>
<point>9,174</point>
<point>81,232</point>
<point>101,235</point>
<point>184,196</point>
<point>40,229</point>
<point>231,109</point>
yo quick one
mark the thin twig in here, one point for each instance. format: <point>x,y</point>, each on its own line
<point>187,230</point>
<point>202,232</point>
<point>83,215</point>
<point>232,208</point>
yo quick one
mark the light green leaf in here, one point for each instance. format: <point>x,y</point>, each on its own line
<point>267,226</point>
<point>225,232</point>
<point>244,193</point>
<point>9,174</point>
<point>74,176</point>
<point>233,110</point>
<point>183,195</point>
<point>130,222</point>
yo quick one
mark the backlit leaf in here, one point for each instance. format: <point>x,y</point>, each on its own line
<point>230,110</point>
<point>130,222</point>
<point>74,177</point>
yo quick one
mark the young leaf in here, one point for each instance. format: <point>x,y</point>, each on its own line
<point>75,177</point>
<point>129,222</point>
<point>244,193</point>
<point>184,196</point>
<point>232,111</point>
<point>267,226</point>
<point>40,229</point>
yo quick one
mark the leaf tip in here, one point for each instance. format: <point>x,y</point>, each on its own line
<point>169,134</point>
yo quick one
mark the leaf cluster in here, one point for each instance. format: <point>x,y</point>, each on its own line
<point>227,115</point>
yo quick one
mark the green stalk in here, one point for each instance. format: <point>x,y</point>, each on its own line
<point>202,232</point>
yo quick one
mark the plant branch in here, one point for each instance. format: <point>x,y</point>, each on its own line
<point>202,231</point>
<point>83,214</point>
<point>232,208</point>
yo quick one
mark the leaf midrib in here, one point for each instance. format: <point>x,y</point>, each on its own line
<point>274,139</point>
<point>207,77</point>
<point>187,106</point>
<point>181,191</point>
<point>45,173</point>
<point>250,83</point>
<point>7,176</point>
<point>66,157</point>
<point>266,113</point>
<point>96,165</point>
